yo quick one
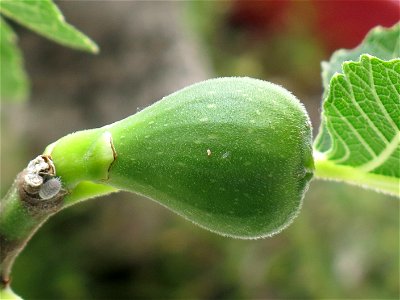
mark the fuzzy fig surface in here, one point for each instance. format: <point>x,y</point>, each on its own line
<point>232,155</point>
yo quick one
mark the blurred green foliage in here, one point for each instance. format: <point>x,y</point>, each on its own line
<point>43,17</point>
<point>344,244</point>
<point>13,80</point>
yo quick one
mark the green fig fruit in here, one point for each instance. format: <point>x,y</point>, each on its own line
<point>232,155</point>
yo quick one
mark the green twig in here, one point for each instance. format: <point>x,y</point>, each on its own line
<point>329,170</point>
<point>35,195</point>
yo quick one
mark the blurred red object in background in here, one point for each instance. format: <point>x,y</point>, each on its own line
<point>343,24</point>
<point>338,24</point>
<point>259,16</point>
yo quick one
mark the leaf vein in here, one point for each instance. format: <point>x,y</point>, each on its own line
<point>355,132</point>
<point>378,100</point>
<point>383,156</point>
<point>362,112</point>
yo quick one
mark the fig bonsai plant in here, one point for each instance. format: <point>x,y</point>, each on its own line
<point>233,155</point>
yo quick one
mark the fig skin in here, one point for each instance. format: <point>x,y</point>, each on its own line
<point>233,155</point>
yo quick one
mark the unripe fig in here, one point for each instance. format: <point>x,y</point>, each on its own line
<point>233,155</point>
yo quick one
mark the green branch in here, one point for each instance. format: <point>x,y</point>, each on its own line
<point>328,170</point>
<point>35,195</point>
<point>40,191</point>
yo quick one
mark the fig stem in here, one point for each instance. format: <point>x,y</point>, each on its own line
<point>329,170</point>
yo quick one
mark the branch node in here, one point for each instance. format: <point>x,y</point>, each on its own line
<point>39,188</point>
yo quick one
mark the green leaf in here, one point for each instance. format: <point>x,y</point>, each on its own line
<point>43,17</point>
<point>362,115</point>
<point>380,42</point>
<point>13,79</point>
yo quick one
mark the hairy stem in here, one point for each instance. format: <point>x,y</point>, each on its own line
<point>23,210</point>
<point>325,169</point>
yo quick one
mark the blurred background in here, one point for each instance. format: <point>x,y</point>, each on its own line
<point>345,242</point>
